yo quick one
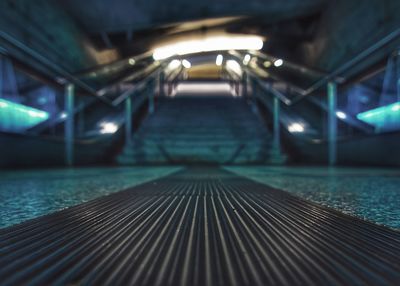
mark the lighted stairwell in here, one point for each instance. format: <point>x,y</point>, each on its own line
<point>200,129</point>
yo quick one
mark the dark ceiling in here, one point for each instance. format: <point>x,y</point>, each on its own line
<point>83,36</point>
<point>133,26</point>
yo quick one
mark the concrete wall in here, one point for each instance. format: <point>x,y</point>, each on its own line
<point>46,28</point>
<point>374,150</point>
<point>348,27</point>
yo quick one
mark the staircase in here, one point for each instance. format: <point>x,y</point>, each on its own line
<point>199,129</point>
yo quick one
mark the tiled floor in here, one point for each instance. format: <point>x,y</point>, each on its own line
<point>372,194</point>
<point>29,194</point>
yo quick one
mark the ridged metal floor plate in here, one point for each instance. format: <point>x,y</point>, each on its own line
<point>201,226</point>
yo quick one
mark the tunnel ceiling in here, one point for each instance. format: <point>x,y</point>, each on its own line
<point>316,33</point>
<point>81,35</point>
<point>134,26</point>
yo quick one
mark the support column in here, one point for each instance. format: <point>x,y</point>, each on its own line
<point>254,92</point>
<point>69,124</point>
<point>332,123</point>
<point>151,91</point>
<point>277,134</point>
<point>128,121</point>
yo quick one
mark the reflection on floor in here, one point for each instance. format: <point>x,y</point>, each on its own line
<point>28,194</point>
<point>372,194</point>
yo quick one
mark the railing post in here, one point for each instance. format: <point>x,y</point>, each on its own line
<point>128,121</point>
<point>151,91</point>
<point>332,123</point>
<point>253,96</point>
<point>69,124</point>
<point>277,135</point>
<point>244,85</point>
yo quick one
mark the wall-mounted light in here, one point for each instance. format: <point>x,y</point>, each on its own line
<point>108,127</point>
<point>208,44</point>
<point>296,128</point>
<point>63,115</point>
<point>278,62</point>
<point>341,114</point>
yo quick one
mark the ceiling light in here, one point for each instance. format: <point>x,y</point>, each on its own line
<point>267,64</point>
<point>246,59</point>
<point>174,64</point>
<point>278,62</point>
<point>186,64</point>
<point>132,61</point>
<point>219,60</point>
<point>209,44</point>
<point>234,66</point>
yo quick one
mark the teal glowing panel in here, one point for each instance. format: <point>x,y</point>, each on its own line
<point>17,117</point>
<point>383,118</point>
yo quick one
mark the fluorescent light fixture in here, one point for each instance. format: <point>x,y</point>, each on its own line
<point>209,44</point>
<point>267,64</point>
<point>341,114</point>
<point>3,104</point>
<point>108,128</point>
<point>387,117</point>
<point>219,60</point>
<point>278,62</point>
<point>18,117</point>
<point>132,61</point>
<point>203,88</point>
<point>296,128</point>
<point>234,66</point>
<point>246,59</point>
<point>186,64</point>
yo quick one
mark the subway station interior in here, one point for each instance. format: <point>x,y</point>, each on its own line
<point>183,142</point>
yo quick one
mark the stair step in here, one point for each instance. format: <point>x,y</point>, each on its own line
<point>219,130</point>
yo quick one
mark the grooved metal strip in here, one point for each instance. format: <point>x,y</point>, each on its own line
<point>200,226</point>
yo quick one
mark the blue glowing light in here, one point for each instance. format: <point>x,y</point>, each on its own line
<point>385,117</point>
<point>18,117</point>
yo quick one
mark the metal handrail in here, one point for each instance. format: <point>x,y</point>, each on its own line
<point>71,78</point>
<point>336,74</point>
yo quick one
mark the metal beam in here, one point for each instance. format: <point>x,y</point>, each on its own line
<point>69,124</point>
<point>332,123</point>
